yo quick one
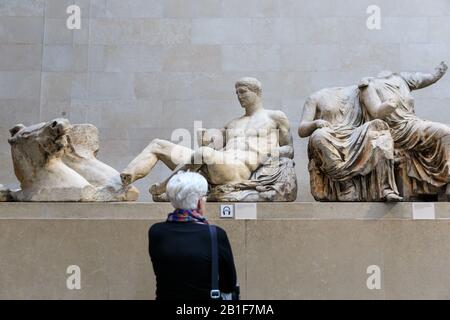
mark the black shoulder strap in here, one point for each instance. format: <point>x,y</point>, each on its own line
<point>215,292</point>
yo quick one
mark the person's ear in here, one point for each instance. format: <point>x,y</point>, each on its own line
<point>201,204</point>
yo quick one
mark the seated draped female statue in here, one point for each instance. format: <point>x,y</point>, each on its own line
<point>350,158</point>
<point>421,147</point>
<point>250,160</point>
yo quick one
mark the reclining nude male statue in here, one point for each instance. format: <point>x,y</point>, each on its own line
<point>55,161</point>
<point>350,159</point>
<point>422,148</point>
<point>250,159</point>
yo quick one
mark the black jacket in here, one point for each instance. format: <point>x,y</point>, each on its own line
<point>181,256</point>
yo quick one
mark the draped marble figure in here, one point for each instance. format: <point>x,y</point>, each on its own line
<point>350,158</point>
<point>421,147</point>
<point>249,159</point>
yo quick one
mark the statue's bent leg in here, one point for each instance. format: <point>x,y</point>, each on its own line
<point>223,169</point>
<point>192,163</point>
<point>322,143</point>
<point>438,131</point>
<point>386,176</point>
<point>446,141</point>
<point>227,167</point>
<point>442,132</point>
<point>169,153</point>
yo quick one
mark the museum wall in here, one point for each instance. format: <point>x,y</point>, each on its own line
<point>138,69</point>
<point>280,255</point>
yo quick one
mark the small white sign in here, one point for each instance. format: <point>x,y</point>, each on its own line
<point>227,211</point>
<point>245,211</point>
<point>423,211</point>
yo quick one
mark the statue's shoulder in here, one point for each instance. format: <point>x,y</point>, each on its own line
<point>278,115</point>
<point>333,91</point>
<point>319,95</point>
<point>316,94</point>
<point>232,122</point>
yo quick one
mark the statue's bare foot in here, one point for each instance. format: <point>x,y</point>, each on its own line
<point>392,197</point>
<point>127,178</point>
<point>158,188</point>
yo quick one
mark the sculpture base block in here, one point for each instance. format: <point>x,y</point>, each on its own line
<point>291,251</point>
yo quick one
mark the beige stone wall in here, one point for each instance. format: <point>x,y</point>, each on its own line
<point>138,69</point>
<point>284,254</point>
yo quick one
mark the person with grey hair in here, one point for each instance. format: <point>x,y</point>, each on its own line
<point>181,248</point>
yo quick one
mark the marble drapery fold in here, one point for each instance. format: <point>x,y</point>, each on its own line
<point>421,146</point>
<point>351,159</point>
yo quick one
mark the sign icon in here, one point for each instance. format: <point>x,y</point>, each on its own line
<point>227,211</point>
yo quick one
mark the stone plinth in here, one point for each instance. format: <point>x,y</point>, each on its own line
<point>292,251</point>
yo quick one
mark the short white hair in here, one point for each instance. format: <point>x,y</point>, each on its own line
<point>185,189</point>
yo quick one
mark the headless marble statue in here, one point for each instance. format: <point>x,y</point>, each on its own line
<point>250,159</point>
<point>350,159</point>
<point>422,147</point>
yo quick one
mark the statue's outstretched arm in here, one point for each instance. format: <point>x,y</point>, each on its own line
<point>419,80</point>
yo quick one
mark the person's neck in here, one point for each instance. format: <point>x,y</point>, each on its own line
<point>251,110</point>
